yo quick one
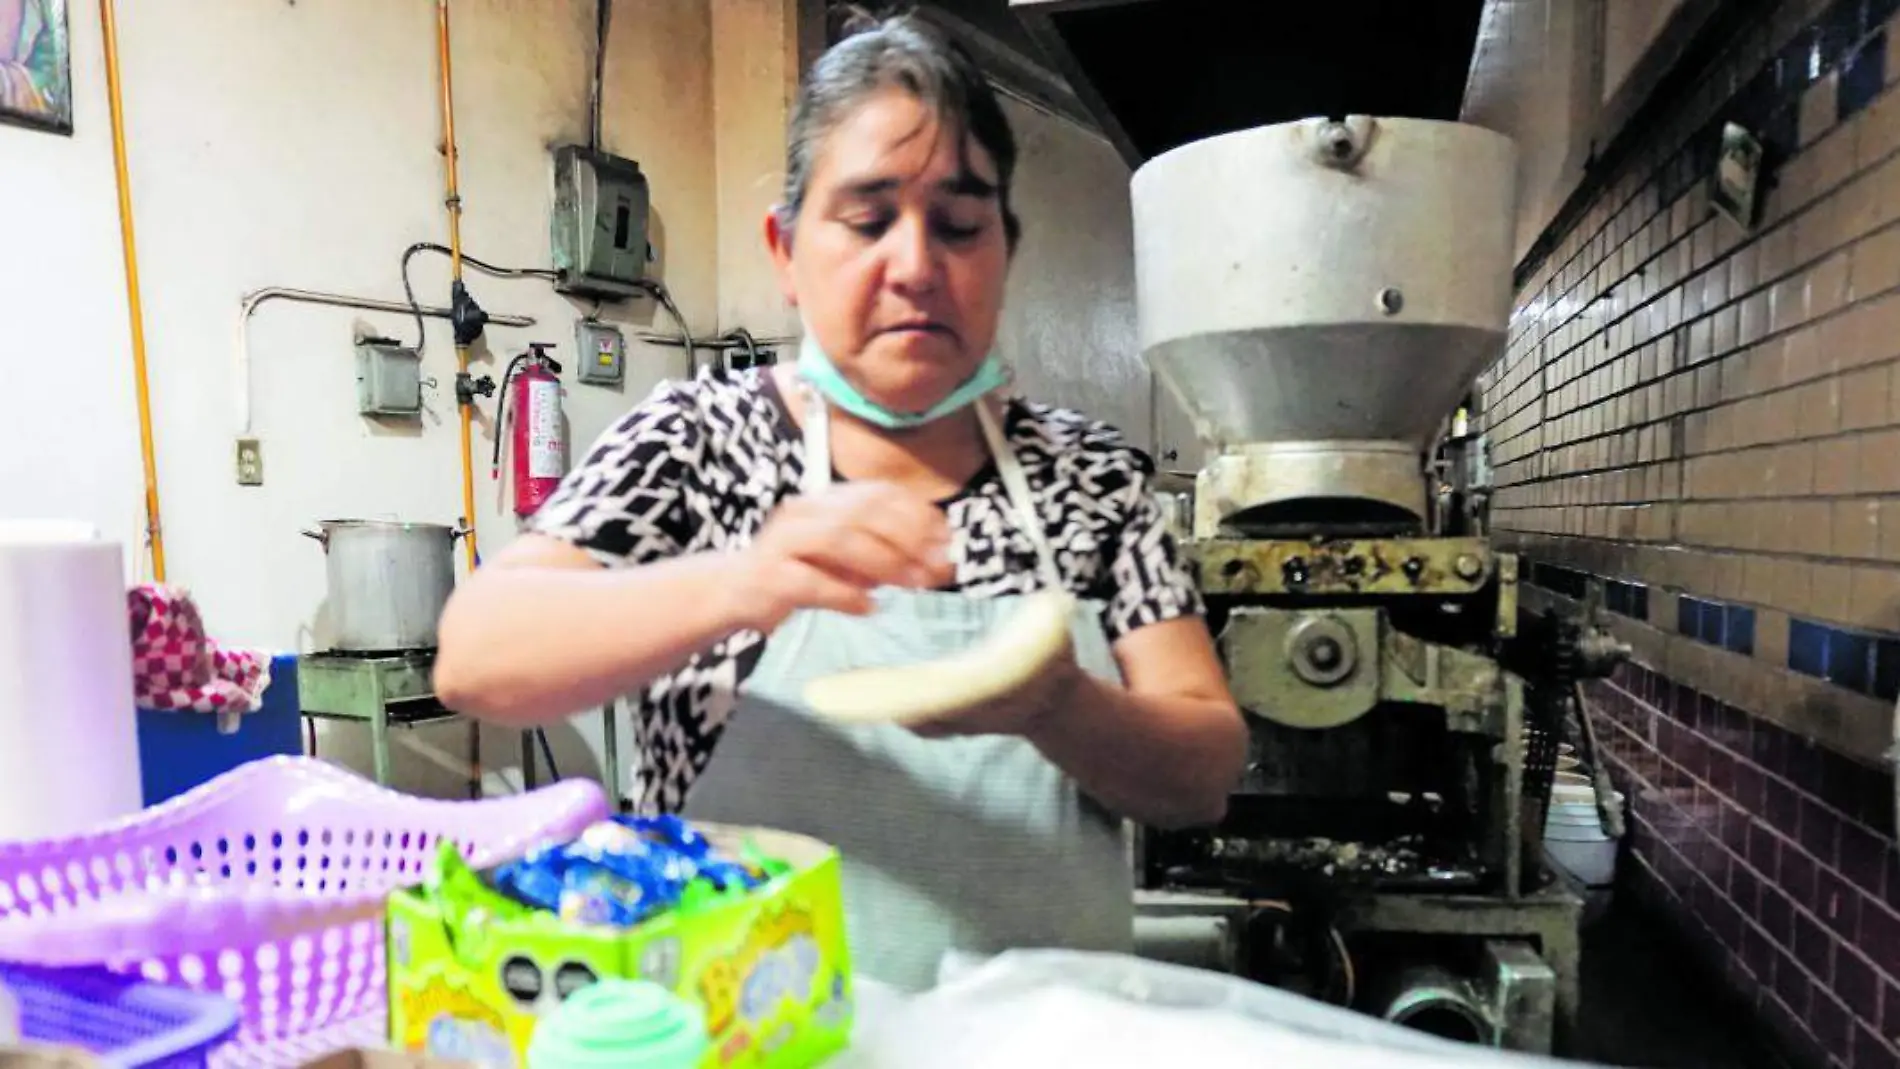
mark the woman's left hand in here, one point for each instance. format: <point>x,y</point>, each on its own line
<point>1021,711</point>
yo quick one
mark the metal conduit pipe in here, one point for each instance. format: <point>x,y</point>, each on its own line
<point>135,307</point>
<point>452,200</point>
<point>255,298</point>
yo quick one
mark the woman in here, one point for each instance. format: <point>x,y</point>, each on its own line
<point>879,503</point>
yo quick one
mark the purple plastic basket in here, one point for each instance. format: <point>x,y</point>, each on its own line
<point>265,885</point>
<point>126,1023</point>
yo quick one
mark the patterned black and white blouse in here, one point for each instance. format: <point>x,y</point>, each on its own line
<point>699,465</point>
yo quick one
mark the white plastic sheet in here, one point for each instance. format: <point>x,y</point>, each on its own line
<point>1037,1008</point>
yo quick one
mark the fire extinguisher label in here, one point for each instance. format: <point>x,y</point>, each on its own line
<point>544,430</point>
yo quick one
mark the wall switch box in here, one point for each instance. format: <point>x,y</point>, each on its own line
<point>599,226</point>
<point>602,353</point>
<point>388,378</point>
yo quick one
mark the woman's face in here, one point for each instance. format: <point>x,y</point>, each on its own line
<point>898,259</point>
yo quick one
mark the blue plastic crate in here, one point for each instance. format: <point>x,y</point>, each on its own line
<point>179,751</point>
<point>126,1023</point>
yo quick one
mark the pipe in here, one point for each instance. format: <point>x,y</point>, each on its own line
<point>603,18</point>
<point>255,298</point>
<point>135,307</point>
<point>1434,1000</point>
<point>452,200</point>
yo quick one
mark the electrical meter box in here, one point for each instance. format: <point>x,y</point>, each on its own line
<point>603,352</point>
<point>388,378</point>
<point>599,226</point>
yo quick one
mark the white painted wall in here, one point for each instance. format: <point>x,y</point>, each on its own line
<point>295,144</point>
<point>278,144</point>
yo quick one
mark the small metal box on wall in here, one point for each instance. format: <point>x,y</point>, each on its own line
<point>601,353</point>
<point>599,225</point>
<point>388,378</point>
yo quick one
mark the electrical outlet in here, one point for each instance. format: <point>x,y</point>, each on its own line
<point>250,462</point>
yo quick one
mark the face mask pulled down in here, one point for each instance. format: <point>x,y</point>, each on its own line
<point>815,366</point>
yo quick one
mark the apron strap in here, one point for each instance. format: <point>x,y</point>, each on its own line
<point>1020,496</point>
<point>817,436</point>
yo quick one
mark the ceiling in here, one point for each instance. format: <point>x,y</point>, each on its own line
<point>1155,74</point>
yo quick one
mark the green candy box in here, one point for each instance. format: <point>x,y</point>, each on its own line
<point>471,971</point>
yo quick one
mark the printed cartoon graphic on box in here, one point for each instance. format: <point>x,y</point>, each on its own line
<point>769,970</point>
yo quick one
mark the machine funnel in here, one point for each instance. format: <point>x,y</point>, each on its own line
<point>1319,295</point>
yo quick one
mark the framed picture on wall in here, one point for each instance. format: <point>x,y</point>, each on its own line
<point>36,65</point>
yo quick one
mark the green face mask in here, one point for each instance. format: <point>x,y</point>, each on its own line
<point>815,367</point>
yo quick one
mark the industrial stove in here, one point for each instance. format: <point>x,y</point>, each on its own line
<point>1319,296</point>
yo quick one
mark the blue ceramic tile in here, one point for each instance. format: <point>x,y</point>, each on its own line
<point>1862,76</point>
<point>1887,665</point>
<point>1753,101</point>
<point>1689,617</point>
<point>1849,659</point>
<point>1738,635</point>
<point>1840,26</point>
<point>1796,64</point>
<point>1714,629</point>
<point>1639,596</point>
<point>1807,648</point>
<point>1782,133</point>
<point>1616,597</point>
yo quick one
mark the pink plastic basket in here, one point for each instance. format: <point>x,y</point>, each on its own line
<point>265,884</point>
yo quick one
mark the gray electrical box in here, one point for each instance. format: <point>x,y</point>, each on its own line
<point>601,352</point>
<point>599,226</point>
<point>388,378</point>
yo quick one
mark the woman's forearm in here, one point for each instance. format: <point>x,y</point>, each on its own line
<point>1165,761</point>
<point>529,644</point>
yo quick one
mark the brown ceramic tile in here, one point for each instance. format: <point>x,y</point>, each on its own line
<point>1818,406</point>
<point>1877,132</point>
<point>1876,597</point>
<point>1856,528</point>
<point>1837,466</point>
<point>1776,915</point>
<point>1875,266</point>
<point>1815,115</point>
<point>1831,588</point>
<point>1879,462</point>
<point>1864,397</point>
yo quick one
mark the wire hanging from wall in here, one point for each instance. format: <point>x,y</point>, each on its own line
<point>409,290</point>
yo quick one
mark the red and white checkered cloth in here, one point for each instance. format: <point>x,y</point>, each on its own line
<point>176,666</point>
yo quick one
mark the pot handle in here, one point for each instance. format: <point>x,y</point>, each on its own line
<point>319,536</point>
<point>460,531</point>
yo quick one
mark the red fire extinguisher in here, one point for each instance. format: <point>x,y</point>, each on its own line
<point>531,413</point>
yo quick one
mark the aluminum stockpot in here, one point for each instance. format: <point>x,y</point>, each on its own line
<point>387,581</point>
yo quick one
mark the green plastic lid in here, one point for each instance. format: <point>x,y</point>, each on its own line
<point>625,1024</point>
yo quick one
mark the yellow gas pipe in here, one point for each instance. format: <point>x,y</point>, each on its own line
<point>453,201</point>
<point>154,529</point>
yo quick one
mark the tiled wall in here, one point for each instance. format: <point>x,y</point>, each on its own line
<point>1698,424</point>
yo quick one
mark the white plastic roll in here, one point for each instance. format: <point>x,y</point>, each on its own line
<point>69,757</point>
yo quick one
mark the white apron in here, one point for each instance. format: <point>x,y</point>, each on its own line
<point>976,844</point>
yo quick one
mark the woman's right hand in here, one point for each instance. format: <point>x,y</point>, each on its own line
<point>830,549</point>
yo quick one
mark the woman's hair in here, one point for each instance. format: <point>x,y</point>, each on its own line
<point>905,53</point>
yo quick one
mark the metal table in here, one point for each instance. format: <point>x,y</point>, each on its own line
<point>380,690</point>
<point>398,690</point>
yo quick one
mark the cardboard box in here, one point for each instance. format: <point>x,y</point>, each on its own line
<point>380,1059</point>
<point>771,971</point>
